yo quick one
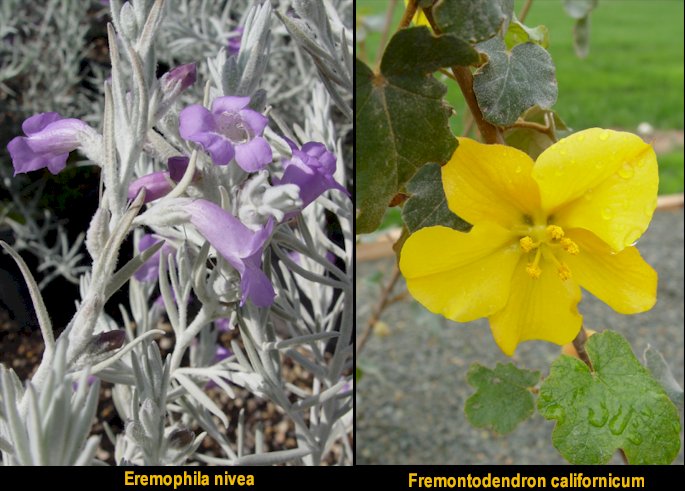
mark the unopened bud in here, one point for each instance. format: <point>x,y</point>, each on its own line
<point>98,232</point>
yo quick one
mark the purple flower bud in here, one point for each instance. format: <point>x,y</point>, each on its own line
<point>149,271</point>
<point>228,131</point>
<point>234,41</point>
<point>311,169</point>
<point>90,380</point>
<point>222,353</point>
<point>158,184</point>
<point>223,325</point>
<point>48,141</point>
<point>178,79</point>
<point>241,247</point>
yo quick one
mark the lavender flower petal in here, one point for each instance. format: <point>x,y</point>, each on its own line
<point>240,246</point>
<point>253,155</point>
<point>49,140</point>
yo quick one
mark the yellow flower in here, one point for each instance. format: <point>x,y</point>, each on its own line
<point>540,231</point>
<point>419,17</point>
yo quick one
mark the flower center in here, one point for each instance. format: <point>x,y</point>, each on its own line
<point>232,126</point>
<point>549,240</point>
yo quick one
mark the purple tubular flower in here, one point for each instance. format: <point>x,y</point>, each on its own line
<point>228,131</point>
<point>223,325</point>
<point>48,141</point>
<point>150,268</point>
<point>239,245</point>
<point>184,76</point>
<point>221,354</point>
<point>311,169</point>
<point>234,41</point>
<point>158,184</point>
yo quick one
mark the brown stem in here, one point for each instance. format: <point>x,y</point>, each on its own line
<point>463,76</point>
<point>524,10</point>
<point>447,73</point>
<point>383,302</point>
<point>579,345</point>
<point>386,31</point>
<point>489,132</point>
<point>409,13</point>
<point>542,128</point>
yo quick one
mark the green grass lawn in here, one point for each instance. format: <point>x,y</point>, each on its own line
<point>633,74</point>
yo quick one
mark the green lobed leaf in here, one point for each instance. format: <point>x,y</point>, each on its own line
<point>616,405</point>
<point>401,119</point>
<point>427,205</point>
<point>473,21</point>
<point>662,373</point>
<point>502,399</point>
<point>513,81</point>
<point>519,33</point>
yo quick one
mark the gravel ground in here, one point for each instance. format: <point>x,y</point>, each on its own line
<point>410,401</point>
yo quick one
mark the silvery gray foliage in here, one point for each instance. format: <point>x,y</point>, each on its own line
<point>163,399</point>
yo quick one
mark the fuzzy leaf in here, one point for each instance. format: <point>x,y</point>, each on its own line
<point>502,399</point>
<point>519,33</point>
<point>473,21</point>
<point>513,81</point>
<point>427,205</point>
<point>401,118</point>
<point>616,405</point>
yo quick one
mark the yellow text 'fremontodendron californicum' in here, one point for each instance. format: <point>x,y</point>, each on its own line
<point>541,230</point>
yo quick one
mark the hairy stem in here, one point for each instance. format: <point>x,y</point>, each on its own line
<point>463,76</point>
<point>524,10</point>
<point>409,13</point>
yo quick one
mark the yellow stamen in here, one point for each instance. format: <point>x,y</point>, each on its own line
<point>570,246</point>
<point>555,232</point>
<point>564,272</point>
<point>533,269</point>
<point>527,244</point>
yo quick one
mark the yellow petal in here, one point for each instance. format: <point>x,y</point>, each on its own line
<point>622,280</point>
<point>542,308</point>
<point>419,17</point>
<point>463,276</point>
<point>601,180</point>
<point>490,183</point>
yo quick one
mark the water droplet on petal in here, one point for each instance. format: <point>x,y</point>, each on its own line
<point>599,164</point>
<point>604,136</point>
<point>632,236</point>
<point>607,213</point>
<point>562,152</point>
<point>626,171</point>
<point>641,163</point>
<point>518,169</point>
<point>581,138</point>
<point>588,194</point>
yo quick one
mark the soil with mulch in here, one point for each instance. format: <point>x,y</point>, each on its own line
<point>21,349</point>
